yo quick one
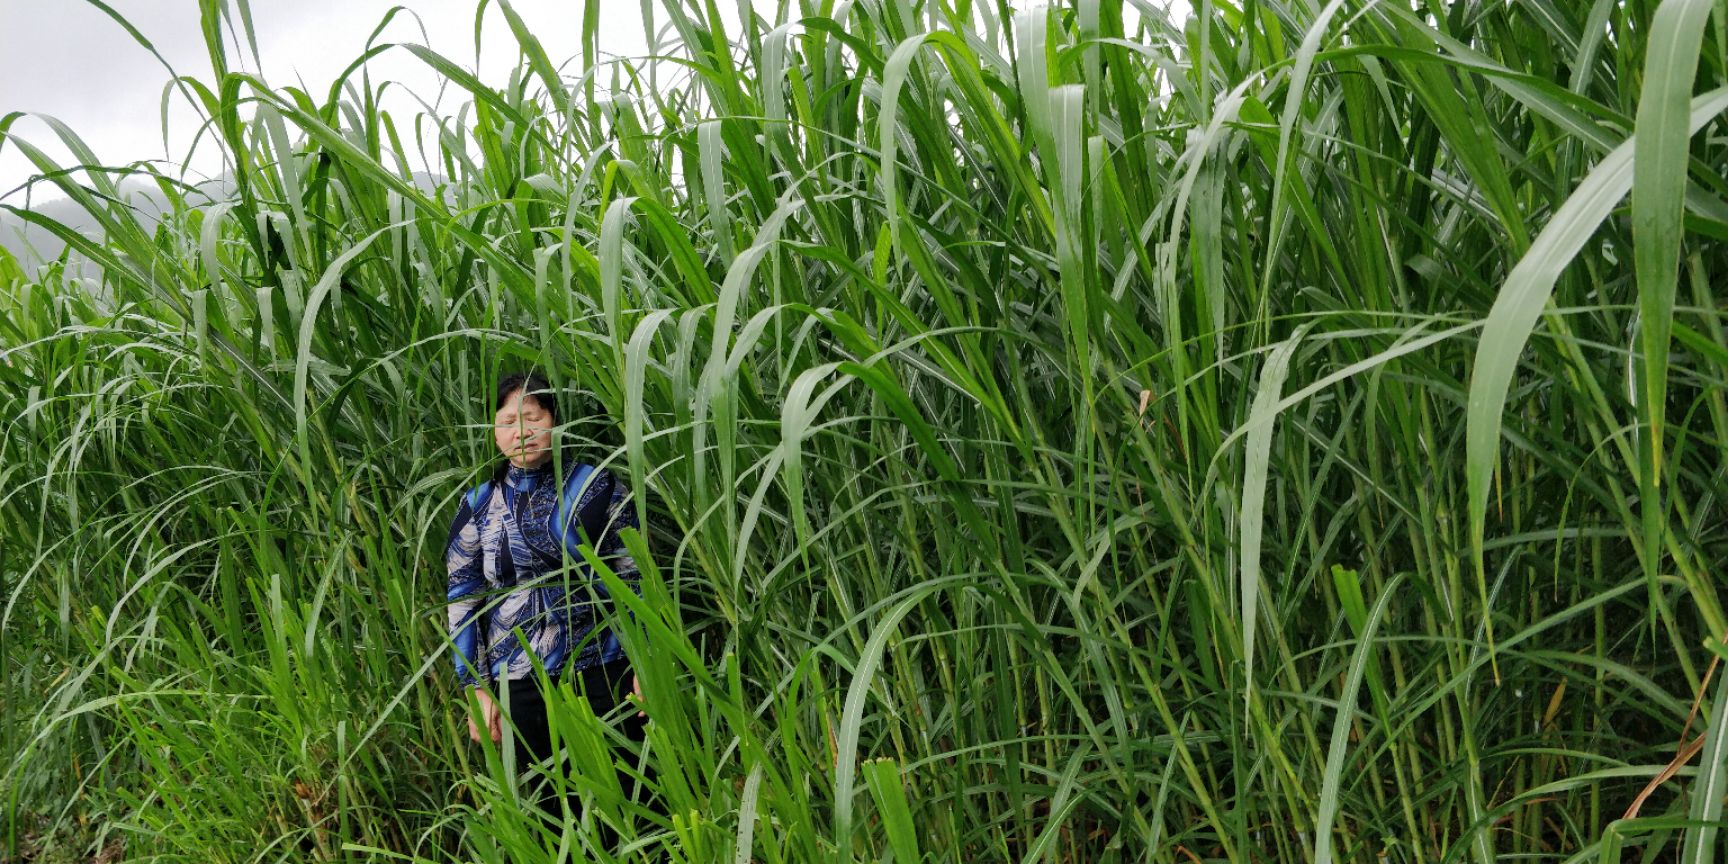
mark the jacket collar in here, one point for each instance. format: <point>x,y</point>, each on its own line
<point>525,479</point>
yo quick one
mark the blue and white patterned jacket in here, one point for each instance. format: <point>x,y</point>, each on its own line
<point>506,561</point>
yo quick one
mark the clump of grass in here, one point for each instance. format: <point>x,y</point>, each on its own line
<point>1291,433</point>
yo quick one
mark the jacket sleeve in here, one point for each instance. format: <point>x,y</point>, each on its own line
<point>603,509</point>
<point>467,581</point>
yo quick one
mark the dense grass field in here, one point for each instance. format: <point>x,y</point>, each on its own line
<point>1291,433</point>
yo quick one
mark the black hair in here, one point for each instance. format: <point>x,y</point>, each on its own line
<point>533,386</point>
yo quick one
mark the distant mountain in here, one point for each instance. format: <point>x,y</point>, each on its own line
<point>35,246</point>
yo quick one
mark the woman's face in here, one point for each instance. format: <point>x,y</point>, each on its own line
<point>523,431</point>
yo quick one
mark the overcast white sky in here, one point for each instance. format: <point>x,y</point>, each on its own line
<point>67,59</point>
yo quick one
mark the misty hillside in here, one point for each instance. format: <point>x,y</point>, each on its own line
<point>35,245</point>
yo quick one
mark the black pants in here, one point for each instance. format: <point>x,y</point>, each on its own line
<point>607,686</point>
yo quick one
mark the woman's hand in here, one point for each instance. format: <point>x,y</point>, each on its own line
<point>636,694</point>
<point>488,711</point>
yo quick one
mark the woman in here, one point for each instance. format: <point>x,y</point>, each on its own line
<point>506,558</point>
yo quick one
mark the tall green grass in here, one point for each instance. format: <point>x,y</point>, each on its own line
<point>1293,433</point>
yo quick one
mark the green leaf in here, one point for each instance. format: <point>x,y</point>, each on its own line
<point>1710,787</point>
<point>1524,295</point>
